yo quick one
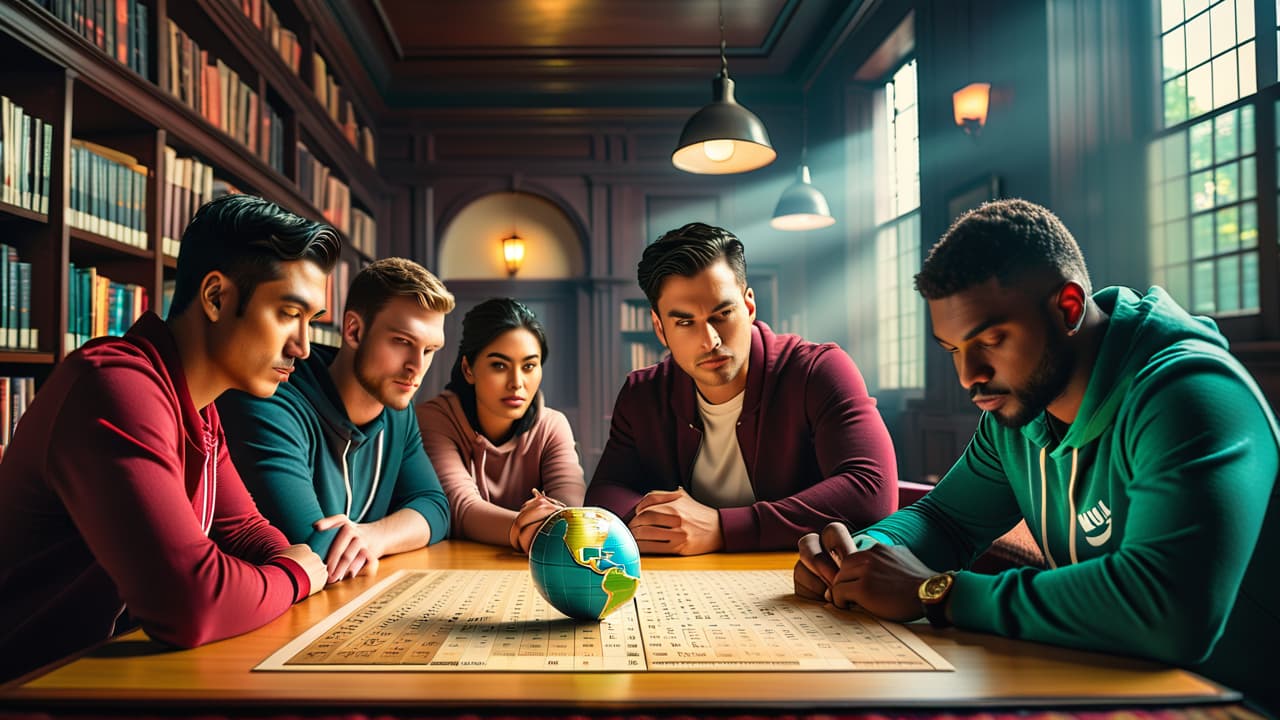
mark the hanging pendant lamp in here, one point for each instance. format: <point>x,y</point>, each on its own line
<point>802,206</point>
<point>723,137</point>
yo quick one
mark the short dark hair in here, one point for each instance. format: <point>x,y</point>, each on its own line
<point>480,326</point>
<point>1009,240</point>
<point>381,280</point>
<point>688,251</point>
<point>247,238</point>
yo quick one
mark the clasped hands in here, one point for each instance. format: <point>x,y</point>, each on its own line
<point>672,522</point>
<point>882,579</point>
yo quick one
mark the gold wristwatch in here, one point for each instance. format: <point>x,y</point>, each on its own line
<point>933,594</point>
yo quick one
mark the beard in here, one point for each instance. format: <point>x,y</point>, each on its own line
<point>375,385</point>
<point>1048,381</point>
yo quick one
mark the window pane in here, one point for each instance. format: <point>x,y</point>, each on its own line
<point>1249,225</point>
<point>1248,70</point>
<point>1248,178</point>
<point>1175,198</point>
<point>1195,6</point>
<point>1244,21</point>
<point>1202,235</point>
<point>1175,154</point>
<point>1225,136</point>
<point>1249,281</point>
<point>1222,27</point>
<point>1175,101</point>
<point>1173,54</point>
<point>1227,184</point>
<point>1179,284</point>
<point>1170,13</point>
<point>1202,288</point>
<point>1247,130</point>
<point>1225,88</point>
<point>1202,190</point>
<point>1198,40</point>
<point>1199,91</point>
<point>1202,145</point>
<point>1228,222</point>
<point>1176,242</point>
<point>1228,284</point>
<point>1157,241</point>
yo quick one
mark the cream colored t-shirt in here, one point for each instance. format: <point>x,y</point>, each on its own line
<point>719,474</point>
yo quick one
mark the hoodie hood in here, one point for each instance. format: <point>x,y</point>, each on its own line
<point>313,383</point>
<point>1143,330</point>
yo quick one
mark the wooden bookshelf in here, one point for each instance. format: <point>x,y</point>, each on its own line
<point>61,75</point>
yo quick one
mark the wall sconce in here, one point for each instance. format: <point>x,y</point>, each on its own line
<point>513,253</point>
<point>970,104</point>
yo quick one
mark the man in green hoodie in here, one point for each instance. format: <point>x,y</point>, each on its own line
<point>1141,453</point>
<point>334,459</point>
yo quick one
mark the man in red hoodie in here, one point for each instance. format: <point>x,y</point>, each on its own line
<point>118,502</point>
<point>740,439</point>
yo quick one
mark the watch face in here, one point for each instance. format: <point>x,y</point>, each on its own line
<point>935,587</point>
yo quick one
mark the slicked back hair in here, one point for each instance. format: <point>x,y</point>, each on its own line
<point>688,251</point>
<point>1009,240</point>
<point>382,280</point>
<point>247,238</point>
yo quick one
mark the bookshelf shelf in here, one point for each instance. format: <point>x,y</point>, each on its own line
<point>16,357</point>
<point>136,129</point>
<point>19,212</point>
<point>93,244</point>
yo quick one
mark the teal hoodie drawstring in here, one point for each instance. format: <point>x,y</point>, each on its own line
<point>377,475</point>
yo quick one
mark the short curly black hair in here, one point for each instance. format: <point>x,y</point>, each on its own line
<point>1009,240</point>
<point>687,251</point>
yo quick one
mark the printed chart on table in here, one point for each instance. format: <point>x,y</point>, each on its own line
<point>495,621</point>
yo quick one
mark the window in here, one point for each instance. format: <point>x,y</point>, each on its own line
<point>1202,168</point>
<point>900,311</point>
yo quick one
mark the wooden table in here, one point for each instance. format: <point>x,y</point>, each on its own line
<point>132,672</point>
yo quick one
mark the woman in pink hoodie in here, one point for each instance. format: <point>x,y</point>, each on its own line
<point>505,460</point>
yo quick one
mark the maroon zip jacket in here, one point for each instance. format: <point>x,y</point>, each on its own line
<point>815,448</point>
<point>115,494</point>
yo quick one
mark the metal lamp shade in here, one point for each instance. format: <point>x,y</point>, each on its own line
<point>802,206</point>
<point>723,137</point>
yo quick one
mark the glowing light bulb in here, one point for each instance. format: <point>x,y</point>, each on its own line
<point>718,150</point>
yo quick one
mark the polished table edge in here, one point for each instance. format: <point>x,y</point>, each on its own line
<point>30,692</point>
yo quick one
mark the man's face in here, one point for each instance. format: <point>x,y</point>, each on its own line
<point>396,350</point>
<point>256,351</point>
<point>705,321</point>
<point>1008,352</point>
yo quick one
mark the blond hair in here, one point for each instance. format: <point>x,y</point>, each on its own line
<point>381,280</point>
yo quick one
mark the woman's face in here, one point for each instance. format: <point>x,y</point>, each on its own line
<point>506,376</point>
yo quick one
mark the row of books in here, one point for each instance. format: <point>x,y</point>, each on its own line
<point>188,184</point>
<point>26,144</point>
<point>16,332</point>
<point>325,192</point>
<point>643,354</point>
<point>16,394</point>
<point>282,39</point>
<point>98,306</point>
<point>635,317</point>
<point>341,111</point>
<point>117,27</point>
<point>108,193</point>
<point>210,87</point>
<point>364,232</point>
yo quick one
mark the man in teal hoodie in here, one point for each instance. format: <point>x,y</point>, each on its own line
<point>1140,452</point>
<point>335,459</point>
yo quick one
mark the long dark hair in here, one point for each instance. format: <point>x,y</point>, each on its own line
<point>480,326</point>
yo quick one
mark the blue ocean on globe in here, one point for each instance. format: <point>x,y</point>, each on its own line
<point>585,562</point>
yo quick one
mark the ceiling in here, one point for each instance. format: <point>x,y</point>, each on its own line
<point>586,53</point>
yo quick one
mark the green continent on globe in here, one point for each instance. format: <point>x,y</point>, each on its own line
<point>585,562</point>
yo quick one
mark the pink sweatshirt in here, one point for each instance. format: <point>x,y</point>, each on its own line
<point>486,483</point>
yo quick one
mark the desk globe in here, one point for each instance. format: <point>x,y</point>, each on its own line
<point>585,562</point>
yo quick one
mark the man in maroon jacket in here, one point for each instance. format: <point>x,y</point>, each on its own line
<point>118,501</point>
<point>740,439</point>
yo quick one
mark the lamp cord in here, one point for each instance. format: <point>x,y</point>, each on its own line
<point>724,64</point>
